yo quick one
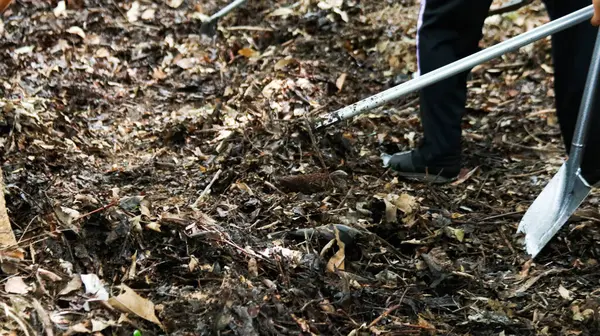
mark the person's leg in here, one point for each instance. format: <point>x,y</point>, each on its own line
<point>571,52</point>
<point>448,30</point>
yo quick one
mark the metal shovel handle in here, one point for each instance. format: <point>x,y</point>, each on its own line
<point>457,67</point>
<point>585,109</point>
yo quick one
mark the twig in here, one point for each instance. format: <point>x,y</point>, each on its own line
<point>315,147</point>
<point>244,250</point>
<point>207,189</point>
<point>270,185</point>
<point>549,150</point>
<point>344,199</point>
<point>16,318</point>
<point>540,112</point>
<point>385,313</point>
<point>502,215</point>
<point>251,28</point>
<point>109,205</point>
<point>27,228</point>
<point>44,317</point>
<point>527,174</point>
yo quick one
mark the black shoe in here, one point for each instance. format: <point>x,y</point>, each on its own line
<point>411,165</point>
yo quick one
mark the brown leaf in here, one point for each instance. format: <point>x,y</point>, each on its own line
<point>406,203</point>
<point>7,237</point>
<point>73,285</point>
<point>174,3</point>
<point>247,52</point>
<point>158,74</point>
<point>339,83</point>
<point>283,63</point>
<point>564,293</point>
<point>16,285</point>
<point>253,267</point>
<point>464,175</point>
<point>337,261</point>
<point>76,31</point>
<point>130,302</point>
<point>49,275</point>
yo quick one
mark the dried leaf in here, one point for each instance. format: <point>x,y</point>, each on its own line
<point>130,302</point>
<point>145,208</point>
<point>342,14</point>
<point>174,3</point>
<point>148,14</point>
<point>78,328</point>
<point>283,63</point>
<point>339,83</point>
<point>73,285</point>
<point>548,69</point>
<point>186,63</point>
<point>247,52</point>
<point>24,50</point>
<point>133,13</point>
<point>49,275</point>
<point>7,237</point>
<point>458,234</point>
<point>66,217</point>
<point>94,287</point>
<point>102,53</point>
<point>390,211</point>
<point>406,203</point>
<point>60,10</point>
<point>283,11</point>
<point>16,285</point>
<point>99,325</point>
<point>337,261</point>
<point>154,226</point>
<point>253,267</point>
<point>76,31</point>
<point>564,293</point>
<point>326,306</point>
<point>193,263</point>
<point>158,74</point>
<point>464,175</point>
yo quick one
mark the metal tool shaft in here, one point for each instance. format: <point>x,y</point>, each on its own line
<point>586,107</point>
<point>458,66</point>
<point>226,9</point>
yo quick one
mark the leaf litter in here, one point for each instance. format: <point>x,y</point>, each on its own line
<point>139,155</point>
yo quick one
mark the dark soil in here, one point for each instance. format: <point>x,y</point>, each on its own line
<point>153,157</point>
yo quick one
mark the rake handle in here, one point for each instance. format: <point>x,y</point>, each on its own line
<point>456,67</point>
<point>226,9</point>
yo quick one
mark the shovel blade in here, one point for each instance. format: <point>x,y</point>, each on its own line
<point>551,210</point>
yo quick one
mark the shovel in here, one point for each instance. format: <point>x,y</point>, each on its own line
<point>567,189</point>
<point>209,27</point>
<point>467,63</point>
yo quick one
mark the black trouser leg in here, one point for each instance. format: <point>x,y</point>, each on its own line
<point>448,31</point>
<point>571,52</point>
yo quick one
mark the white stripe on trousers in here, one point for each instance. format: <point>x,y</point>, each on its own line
<point>419,24</point>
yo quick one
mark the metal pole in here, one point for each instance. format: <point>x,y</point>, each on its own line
<point>585,110</point>
<point>456,67</point>
<point>226,9</point>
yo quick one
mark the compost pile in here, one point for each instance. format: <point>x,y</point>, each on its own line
<point>162,182</point>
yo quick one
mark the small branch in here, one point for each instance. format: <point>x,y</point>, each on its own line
<point>207,189</point>
<point>385,314</point>
<point>109,205</point>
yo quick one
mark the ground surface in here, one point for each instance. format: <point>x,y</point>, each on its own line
<point>138,153</point>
